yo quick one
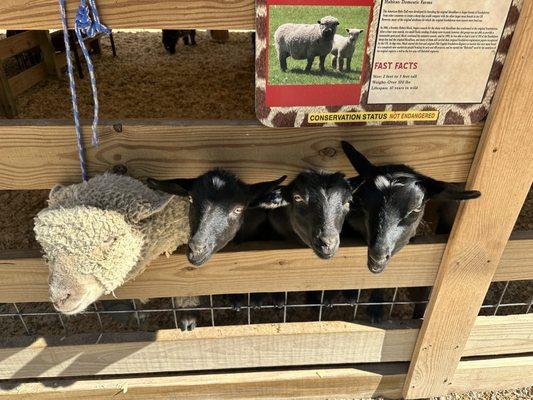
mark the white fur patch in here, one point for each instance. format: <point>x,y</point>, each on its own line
<point>382,182</point>
<point>218,183</point>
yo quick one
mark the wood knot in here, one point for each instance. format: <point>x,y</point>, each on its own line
<point>117,128</point>
<point>328,152</point>
<point>119,169</point>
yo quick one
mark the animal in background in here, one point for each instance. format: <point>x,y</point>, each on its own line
<point>344,49</point>
<point>99,234</point>
<point>305,42</point>
<point>171,37</point>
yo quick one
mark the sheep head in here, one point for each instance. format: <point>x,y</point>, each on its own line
<point>328,27</point>
<point>90,252</point>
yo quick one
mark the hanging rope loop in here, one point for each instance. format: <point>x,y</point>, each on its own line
<point>89,26</point>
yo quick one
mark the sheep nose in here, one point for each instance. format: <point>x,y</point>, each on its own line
<point>197,248</point>
<point>60,300</point>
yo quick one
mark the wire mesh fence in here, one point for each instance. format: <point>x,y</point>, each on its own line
<point>369,306</point>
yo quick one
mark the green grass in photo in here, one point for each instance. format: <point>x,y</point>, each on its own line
<point>349,17</point>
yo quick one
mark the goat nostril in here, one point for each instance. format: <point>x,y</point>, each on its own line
<point>387,257</point>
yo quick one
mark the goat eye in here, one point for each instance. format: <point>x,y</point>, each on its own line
<point>190,199</point>
<point>237,210</point>
<point>297,198</point>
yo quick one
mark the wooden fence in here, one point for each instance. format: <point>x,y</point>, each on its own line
<point>453,350</point>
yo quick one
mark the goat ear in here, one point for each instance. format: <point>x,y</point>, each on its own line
<point>447,191</point>
<point>355,183</point>
<point>179,186</point>
<point>55,194</point>
<point>259,190</point>
<point>348,30</point>
<point>319,22</point>
<point>274,199</point>
<point>361,164</point>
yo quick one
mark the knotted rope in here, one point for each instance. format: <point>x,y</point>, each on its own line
<point>83,24</point>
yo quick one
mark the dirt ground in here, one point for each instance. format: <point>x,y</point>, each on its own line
<point>206,81</point>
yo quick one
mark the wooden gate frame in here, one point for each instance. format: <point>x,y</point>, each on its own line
<point>502,169</point>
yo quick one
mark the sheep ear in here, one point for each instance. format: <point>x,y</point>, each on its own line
<point>446,191</point>
<point>319,22</point>
<point>147,209</point>
<point>55,194</point>
<point>347,30</point>
<point>361,164</point>
<point>274,199</point>
<point>181,187</point>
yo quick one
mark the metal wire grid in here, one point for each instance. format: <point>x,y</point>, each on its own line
<point>355,303</point>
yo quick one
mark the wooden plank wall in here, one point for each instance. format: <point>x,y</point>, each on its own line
<point>37,156</point>
<point>264,267</point>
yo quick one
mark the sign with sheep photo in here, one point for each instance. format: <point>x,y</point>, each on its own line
<point>372,62</point>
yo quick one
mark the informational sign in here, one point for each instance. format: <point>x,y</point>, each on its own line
<point>435,51</point>
<point>332,62</point>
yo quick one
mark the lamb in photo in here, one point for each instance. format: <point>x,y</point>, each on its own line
<point>344,49</point>
<point>305,42</point>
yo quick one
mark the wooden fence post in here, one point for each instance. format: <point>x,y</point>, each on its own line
<point>7,100</point>
<point>503,172</point>
<point>48,53</point>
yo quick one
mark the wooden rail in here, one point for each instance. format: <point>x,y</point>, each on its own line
<point>265,267</point>
<point>156,14</point>
<point>275,345</point>
<point>359,381</point>
<point>11,46</point>
<point>37,156</point>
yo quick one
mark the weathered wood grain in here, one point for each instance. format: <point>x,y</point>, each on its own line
<point>34,156</point>
<point>264,267</point>
<point>360,381</point>
<point>314,383</point>
<point>503,172</point>
<point>275,345</point>
<point>156,14</point>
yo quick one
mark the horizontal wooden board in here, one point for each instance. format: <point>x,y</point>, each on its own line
<point>11,46</point>
<point>213,348</point>
<point>359,381</point>
<point>264,267</point>
<point>493,374</point>
<point>315,383</point>
<point>156,14</point>
<point>34,156</point>
<point>27,79</point>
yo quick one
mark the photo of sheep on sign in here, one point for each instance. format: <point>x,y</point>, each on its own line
<point>316,44</point>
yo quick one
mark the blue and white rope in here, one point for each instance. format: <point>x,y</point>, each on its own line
<point>74,98</point>
<point>90,27</point>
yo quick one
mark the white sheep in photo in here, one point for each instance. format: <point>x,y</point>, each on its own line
<point>99,234</point>
<point>305,42</point>
<point>344,48</point>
